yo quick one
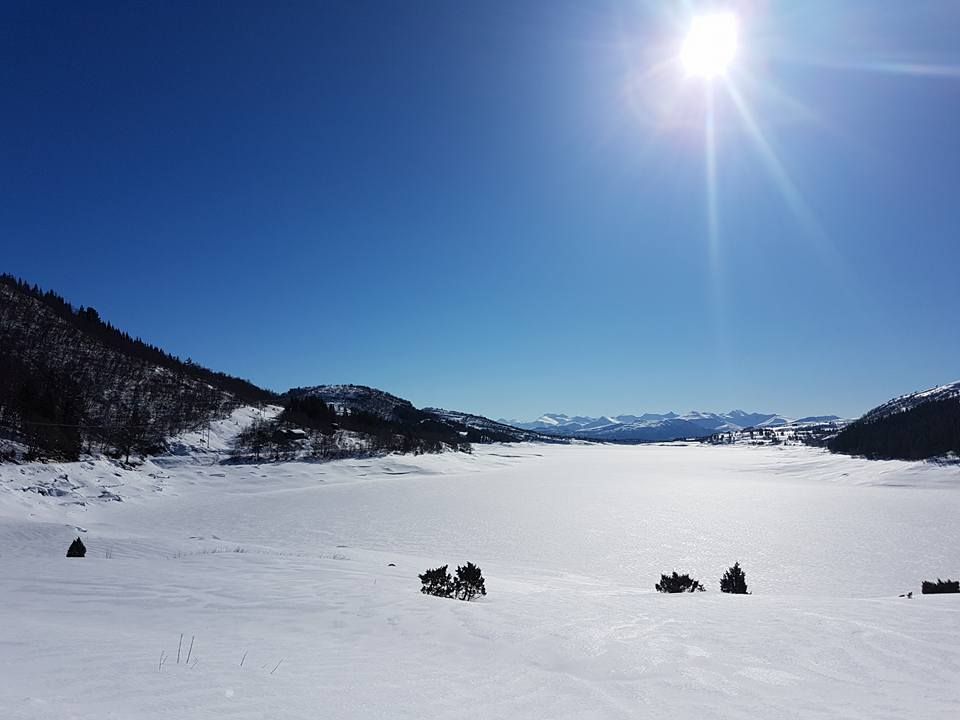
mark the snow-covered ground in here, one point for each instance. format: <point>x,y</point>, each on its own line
<point>282,575</point>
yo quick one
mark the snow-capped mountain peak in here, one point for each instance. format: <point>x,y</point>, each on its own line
<point>650,426</point>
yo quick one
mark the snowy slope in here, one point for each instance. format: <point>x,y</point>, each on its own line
<point>912,400</point>
<point>218,435</point>
<point>283,575</point>
<point>355,398</point>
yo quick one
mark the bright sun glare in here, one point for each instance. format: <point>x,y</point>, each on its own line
<point>710,45</point>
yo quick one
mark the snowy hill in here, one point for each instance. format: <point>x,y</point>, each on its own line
<point>649,426</point>
<point>810,419</point>
<point>353,399</point>
<point>916,426</point>
<point>910,401</point>
<point>359,398</point>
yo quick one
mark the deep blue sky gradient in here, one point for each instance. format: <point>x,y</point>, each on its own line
<point>485,206</point>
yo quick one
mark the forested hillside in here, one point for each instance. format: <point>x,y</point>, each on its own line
<point>359,405</point>
<point>70,381</point>
<point>331,421</point>
<point>927,430</point>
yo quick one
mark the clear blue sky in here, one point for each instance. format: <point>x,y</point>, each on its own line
<point>492,206</point>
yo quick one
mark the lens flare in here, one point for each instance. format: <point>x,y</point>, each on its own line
<point>711,45</point>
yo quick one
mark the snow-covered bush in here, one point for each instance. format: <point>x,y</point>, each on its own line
<point>469,582</point>
<point>77,549</point>
<point>940,586</point>
<point>678,583</point>
<point>437,582</point>
<point>734,581</point>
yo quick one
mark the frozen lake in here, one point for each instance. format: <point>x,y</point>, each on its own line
<point>287,570</point>
<point>799,521</point>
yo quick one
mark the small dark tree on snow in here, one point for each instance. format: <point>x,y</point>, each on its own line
<point>77,549</point>
<point>678,584</point>
<point>437,582</point>
<point>940,586</point>
<point>734,581</point>
<point>469,582</point>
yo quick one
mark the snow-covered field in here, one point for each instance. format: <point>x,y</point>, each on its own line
<point>282,575</point>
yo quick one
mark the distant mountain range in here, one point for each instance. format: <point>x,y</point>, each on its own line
<point>650,427</point>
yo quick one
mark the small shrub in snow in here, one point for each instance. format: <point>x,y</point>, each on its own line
<point>467,585</point>
<point>940,586</point>
<point>469,582</point>
<point>678,584</point>
<point>437,582</point>
<point>734,581</point>
<point>77,549</point>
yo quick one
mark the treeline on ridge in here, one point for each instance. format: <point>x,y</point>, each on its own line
<point>88,321</point>
<point>928,430</point>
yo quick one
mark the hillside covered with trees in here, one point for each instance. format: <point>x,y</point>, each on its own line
<point>71,382</point>
<point>926,430</point>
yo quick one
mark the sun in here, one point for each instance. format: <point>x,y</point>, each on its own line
<point>711,45</point>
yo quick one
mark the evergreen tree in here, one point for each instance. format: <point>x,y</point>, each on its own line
<point>469,582</point>
<point>678,584</point>
<point>734,581</point>
<point>437,582</point>
<point>940,586</point>
<point>77,549</point>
